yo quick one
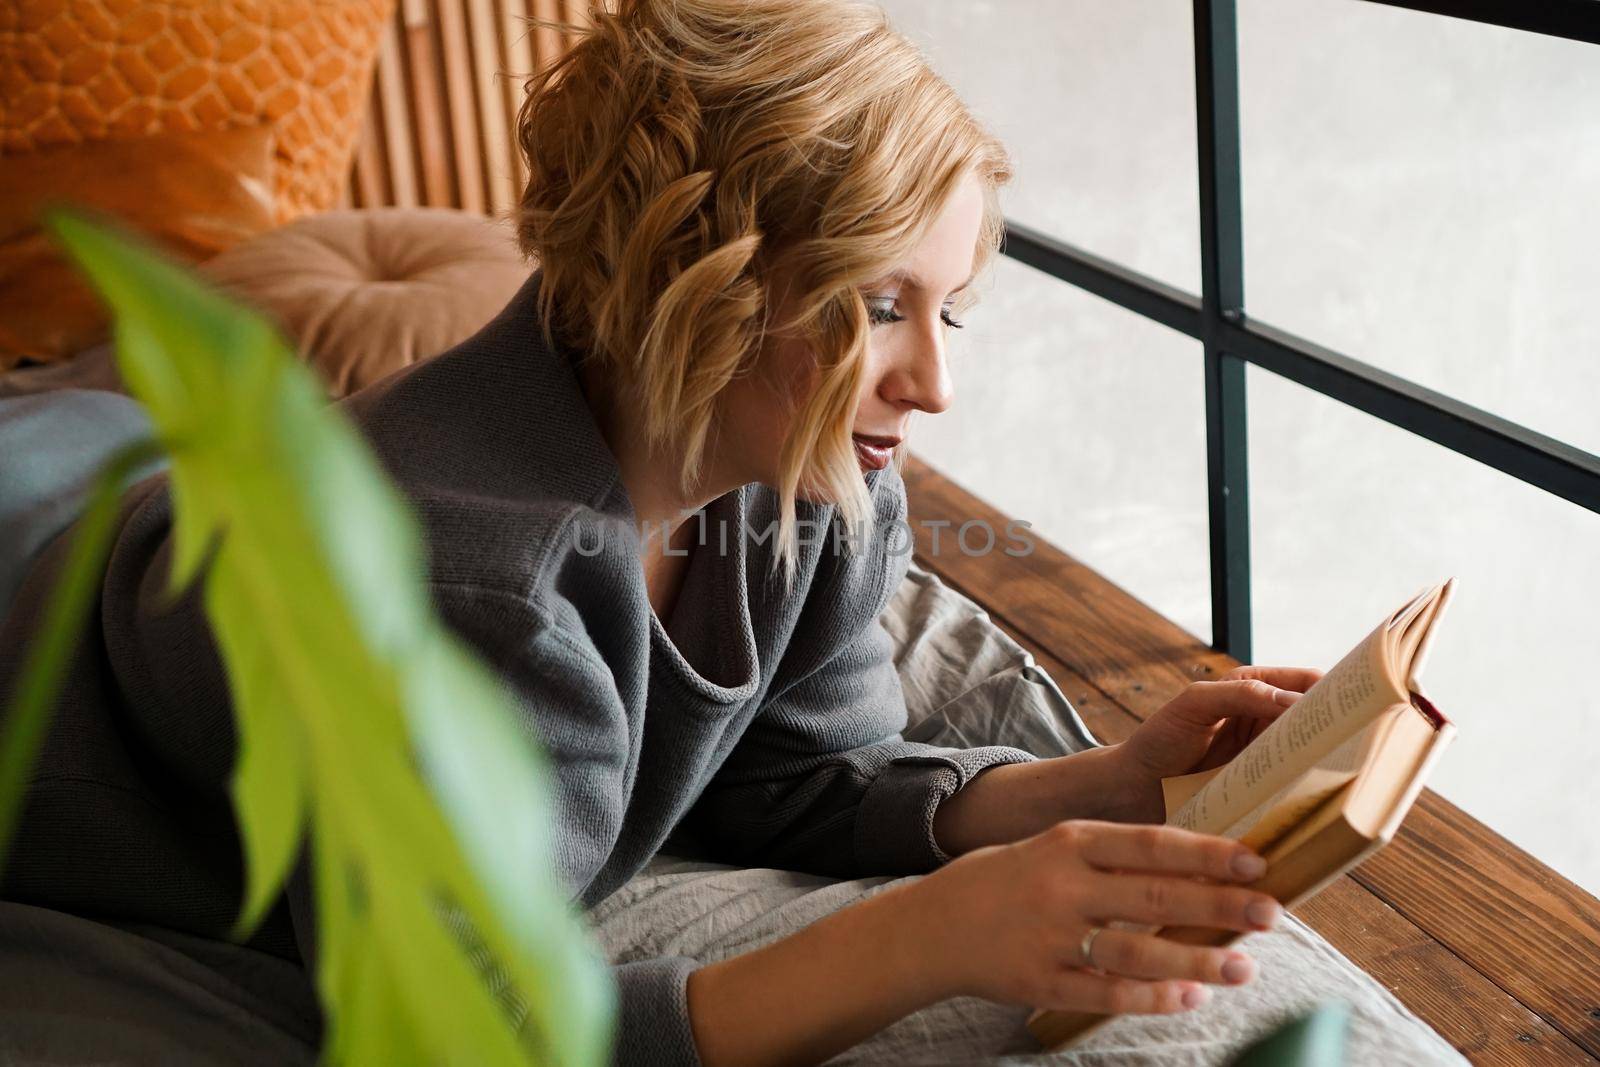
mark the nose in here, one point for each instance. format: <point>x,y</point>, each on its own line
<point>921,379</point>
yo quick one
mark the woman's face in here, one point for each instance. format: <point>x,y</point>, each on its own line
<point>905,372</point>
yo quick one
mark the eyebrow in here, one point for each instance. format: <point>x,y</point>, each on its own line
<point>906,277</point>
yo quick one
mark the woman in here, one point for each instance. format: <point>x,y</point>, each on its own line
<point>754,224</point>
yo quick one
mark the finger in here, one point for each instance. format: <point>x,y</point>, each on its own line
<point>1143,955</point>
<point>1297,679</point>
<point>1165,900</point>
<point>1080,990</point>
<point>1210,702</point>
<point>1155,848</point>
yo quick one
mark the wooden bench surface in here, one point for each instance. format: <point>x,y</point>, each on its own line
<point>1496,951</point>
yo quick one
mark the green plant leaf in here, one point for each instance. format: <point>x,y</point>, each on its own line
<point>269,781</point>
<point>1313,1040</point>
<point>457,735</point>
<point>359,714</point>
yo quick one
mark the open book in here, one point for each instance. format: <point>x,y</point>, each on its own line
<point>1323,787</point>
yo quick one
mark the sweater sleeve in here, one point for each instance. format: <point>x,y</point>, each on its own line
<point>653,1014</point>
<point>822,781</point>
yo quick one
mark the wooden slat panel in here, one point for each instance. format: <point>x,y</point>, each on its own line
<point>548,41</point>
<point>517,62</point>
<point>493,127</point>
<point>371,174</point>
<point>1504,928</point>
<point>575,12</point>
<point>428,105</point>
<point>396,118</point>
<point>462,105</point>
<point>440,126</point>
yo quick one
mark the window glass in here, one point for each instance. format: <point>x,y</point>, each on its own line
<point>1420,194</point>
<point>1087,421</point>
<point>1095,101</point>
<point>1350,516</point>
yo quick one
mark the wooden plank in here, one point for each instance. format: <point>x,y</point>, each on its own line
<point>575,12</point>
<point>396,117</point>
<point>427,104</point>
<point>492,123</point>
<point>1482,1021</point>
<point>549,41</point>
<point>1123,645</point>
<point>516,38</point>
<point>461,100</point>
<point>1520,925</point>
<point>371,176</point>
<point>1055,596</point>
<point>1533,932</point>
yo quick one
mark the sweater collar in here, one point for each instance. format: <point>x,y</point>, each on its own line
<point>715,592</point>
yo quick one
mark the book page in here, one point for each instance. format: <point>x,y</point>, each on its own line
<point>1419,654</point>
<point>1263,827</point>
<point>1347,698</point>
<point>1284,810</point>
<point>1305,794</point>
<point>1176,791</point>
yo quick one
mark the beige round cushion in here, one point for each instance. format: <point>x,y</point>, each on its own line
<point>365,292</point>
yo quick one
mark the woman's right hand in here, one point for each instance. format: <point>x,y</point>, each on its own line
<point>1011,918</point>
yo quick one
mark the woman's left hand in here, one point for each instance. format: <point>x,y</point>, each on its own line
<point>1203,727</point>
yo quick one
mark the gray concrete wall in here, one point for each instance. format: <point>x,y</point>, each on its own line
<point>1420,193</point>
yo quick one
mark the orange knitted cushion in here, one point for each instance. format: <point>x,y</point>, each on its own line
<point>194,194</point>
<point>85,70</point>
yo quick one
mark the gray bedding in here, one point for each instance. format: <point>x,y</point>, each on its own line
<point>712,912</point>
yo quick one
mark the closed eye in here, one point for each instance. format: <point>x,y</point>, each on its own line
<point>880,314</point>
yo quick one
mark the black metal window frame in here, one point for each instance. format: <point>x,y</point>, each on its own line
<point>1217,317</point>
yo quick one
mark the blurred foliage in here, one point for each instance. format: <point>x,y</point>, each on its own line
<point>1313,1040</point>
<point>445,934</point>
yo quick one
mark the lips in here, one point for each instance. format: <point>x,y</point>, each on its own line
<point>874,452</point>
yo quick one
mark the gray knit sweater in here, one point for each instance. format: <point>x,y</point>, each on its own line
<point>764,724</point>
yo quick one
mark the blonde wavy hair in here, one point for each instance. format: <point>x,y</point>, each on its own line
<point>683,148</point>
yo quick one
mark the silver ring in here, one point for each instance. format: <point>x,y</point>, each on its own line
<point>1086,946</point>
